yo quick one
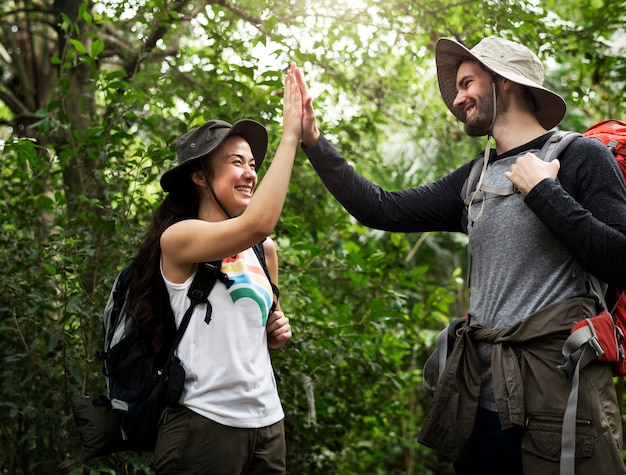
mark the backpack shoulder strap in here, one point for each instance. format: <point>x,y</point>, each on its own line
<point>472,194</point>
<point>555,145</point>
<point>472,178</point>
<point>260,253</point>
<point>208,273</point>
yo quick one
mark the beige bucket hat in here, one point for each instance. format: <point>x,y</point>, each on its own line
<point>510,60</point>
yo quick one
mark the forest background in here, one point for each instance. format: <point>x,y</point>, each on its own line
<point>92,98</point>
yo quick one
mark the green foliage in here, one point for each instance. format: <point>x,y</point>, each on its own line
<point>92,98</point>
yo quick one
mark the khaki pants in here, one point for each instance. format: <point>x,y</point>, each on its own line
<point>191,444</point>
<point>598,427</point>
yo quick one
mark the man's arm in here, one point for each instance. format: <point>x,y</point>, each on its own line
<point>586,209</point>
<point>434,207</point>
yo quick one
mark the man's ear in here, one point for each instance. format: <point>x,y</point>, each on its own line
<point>506,84</point>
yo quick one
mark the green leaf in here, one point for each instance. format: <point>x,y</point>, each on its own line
<point>78,46</point>
<point>50,269</point>
<point>97,47</point>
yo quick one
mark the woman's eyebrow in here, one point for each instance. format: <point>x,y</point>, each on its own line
<point>241,156</point>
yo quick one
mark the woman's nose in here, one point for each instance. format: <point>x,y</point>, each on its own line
<point>250,171</point>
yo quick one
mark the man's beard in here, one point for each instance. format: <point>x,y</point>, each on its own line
<point>480,123</point>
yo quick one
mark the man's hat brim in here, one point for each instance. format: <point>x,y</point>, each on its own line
<point>550,108</point>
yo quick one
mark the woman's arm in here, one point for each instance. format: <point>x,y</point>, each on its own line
<point>195,240</point>
<point>278,327</point>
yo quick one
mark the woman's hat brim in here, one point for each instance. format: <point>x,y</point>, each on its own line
<point>200,142</point>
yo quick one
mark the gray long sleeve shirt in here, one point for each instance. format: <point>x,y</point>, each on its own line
<point>528,252</point>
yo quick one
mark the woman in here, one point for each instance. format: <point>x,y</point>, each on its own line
<point>229,418</point>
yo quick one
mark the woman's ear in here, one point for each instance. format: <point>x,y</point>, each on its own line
<point>198,178</point>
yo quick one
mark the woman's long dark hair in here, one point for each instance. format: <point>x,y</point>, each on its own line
<point>148,298</point>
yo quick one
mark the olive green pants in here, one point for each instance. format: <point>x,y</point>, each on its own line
<point>191,444</point>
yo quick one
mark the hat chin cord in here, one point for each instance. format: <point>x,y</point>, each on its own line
<point>485,162</point>
<point>212,191</point>
<point>219,203</point>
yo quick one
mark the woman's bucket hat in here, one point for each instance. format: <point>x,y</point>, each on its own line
<point>510,60</point>
<point>198,143</point>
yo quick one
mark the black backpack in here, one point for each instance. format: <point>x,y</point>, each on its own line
<point>140,384</point>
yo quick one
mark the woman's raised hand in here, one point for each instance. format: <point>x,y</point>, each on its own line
<point>310,133</point>
<point>292,106</point>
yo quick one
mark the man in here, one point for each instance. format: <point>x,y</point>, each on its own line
<point>533,250</point>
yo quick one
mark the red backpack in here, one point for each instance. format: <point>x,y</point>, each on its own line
<point>612,133</point>
<point>600,337</point>
<point>604,333</point>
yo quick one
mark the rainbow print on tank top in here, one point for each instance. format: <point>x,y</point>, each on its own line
<point>250,282</point>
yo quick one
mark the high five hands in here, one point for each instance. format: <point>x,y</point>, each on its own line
<point>310,133</point>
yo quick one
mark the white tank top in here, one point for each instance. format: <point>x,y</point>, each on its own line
<point>229,375</point>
